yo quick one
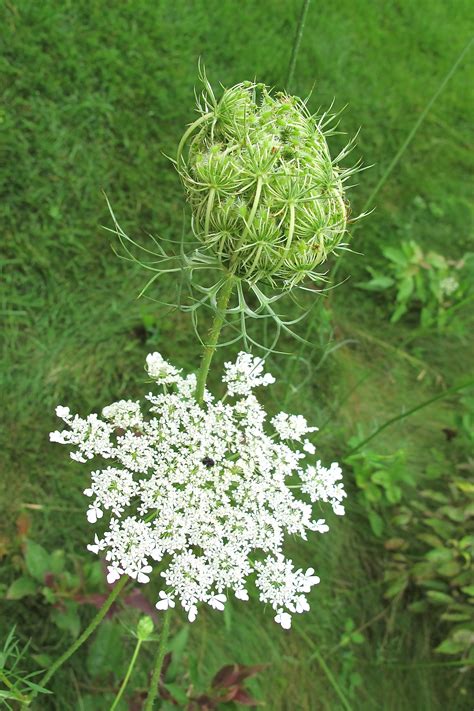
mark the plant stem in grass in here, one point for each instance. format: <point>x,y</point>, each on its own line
<point>296,43</point>
<point>127,675</point>
<point>160,655</point>
<point>115,592</point>
<point>211,345</point>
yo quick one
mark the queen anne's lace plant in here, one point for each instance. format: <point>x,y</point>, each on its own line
<point>206,493</point>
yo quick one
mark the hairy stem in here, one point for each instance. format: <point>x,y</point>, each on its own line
<point>160,655</point>
<point>211,345</point>
<point>296,43</point>
<point>127,675</point>
<point>115,592</point>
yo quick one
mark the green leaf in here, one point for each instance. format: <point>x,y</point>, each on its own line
<point>468,590</point>
<point>378,283</point>
<point>449,646</point>
<point>396,587</point>
<point>449,569</point>
<point>106,651</point>
<point>394,255</point>
<point>178,693</point>
<point>376,523</point>
<point>21,588</point>
<point>439,598</point>
<point>57,562</point>
<point>37,560</point>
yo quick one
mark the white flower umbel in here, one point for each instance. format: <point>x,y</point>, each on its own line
<point>207,490</point>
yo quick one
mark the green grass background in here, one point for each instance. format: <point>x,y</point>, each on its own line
<point>94,95</point>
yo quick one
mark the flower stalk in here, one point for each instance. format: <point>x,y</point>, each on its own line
<point>160,655</point>
<point>125,681</point>
<point>115,592</point>
<point>210,347</point>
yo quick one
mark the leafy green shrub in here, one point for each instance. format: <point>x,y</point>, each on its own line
<point>425,282</point>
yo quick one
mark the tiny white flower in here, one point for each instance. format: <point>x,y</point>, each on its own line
<point>142,574</point>
<point>88,492</point>
<point>301,604</point>
<point>217,602</point>
<point>242,594</point>
<point>94,547</point>
<point>283,619</point>
<point>309,447</point>
<point>78,457</point>
<point>63,412</point>
<point>192,613</point>
<point>93,513</point>
<point>309,580</point>
<point>114,574</point>
<point>165,602</point>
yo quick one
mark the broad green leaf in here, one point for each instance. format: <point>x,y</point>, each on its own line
<point>376,523</point>
<point>21,588</point>
<point>37,560</point>
<point>439,598</point>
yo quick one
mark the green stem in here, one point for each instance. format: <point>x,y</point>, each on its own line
<point>127,675</point>
<point>403,415</point>
<point>210,347</point>
<point>326,670</point>
<point>18,695</point>
<point>296,43</point>
<point>87,632</point>
<point>160,655</point>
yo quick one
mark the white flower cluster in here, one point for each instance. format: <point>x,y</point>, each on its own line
<point>205,490</point>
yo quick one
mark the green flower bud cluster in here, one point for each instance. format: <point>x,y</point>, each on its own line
<point>266,198</point>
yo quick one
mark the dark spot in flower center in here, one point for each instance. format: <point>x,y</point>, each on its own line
<point>208,462</point>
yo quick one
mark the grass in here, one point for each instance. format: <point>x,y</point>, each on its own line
<point>94,96</point>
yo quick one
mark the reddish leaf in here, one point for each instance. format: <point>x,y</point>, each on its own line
<point>243,697</point>
<point>49,580</point>
<point>233,674</point>
<point>137,600</point>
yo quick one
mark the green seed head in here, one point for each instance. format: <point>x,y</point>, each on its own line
<point>266,198</point>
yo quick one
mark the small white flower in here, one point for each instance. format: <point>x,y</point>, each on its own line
<point>78,457</point>
<point>160,370</point>
<point>114,573</point>
<point>93,513</point>
<point>283,619</point>
<point>165,602</point>
<point>88,492</point>
<point>309,447</point>
<point>301,604</point>
<point>142,574</point>
<point>309,580</point>
<point>242,594</point>
<point>217,602</point>
<point>63,412</point>
<point>192,613</point>
<point>96,546</point>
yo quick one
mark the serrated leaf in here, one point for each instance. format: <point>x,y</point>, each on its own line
<point>37,560</point>
<point>21,588</point>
